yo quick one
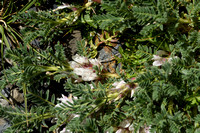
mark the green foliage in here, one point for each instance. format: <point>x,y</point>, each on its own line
<point>36,65</point>
<point>40,25</point>
<point>8,29</point>
<point>161,93</point>
<point>168,96</point>
<point>82,48</point>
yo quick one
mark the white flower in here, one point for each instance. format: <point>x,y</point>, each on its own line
<point>91,86</point>
<point>119,85</point>
<point>125,123</point>
<point>121,88</point>
<point>122,131</point>
<point>158,61</point>
<point>131,128</point>
<point>83,67</point>
<point>156,57</point>
<point>65,99</point>
<point>125,126</point>
<point>170,59</point>
<point>146,129</point>
<point>65,131</point>
<point>75,18</point>
<point>62,7</point>
<point>132,92</point>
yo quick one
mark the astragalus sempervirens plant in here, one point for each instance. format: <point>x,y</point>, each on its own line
<point>157,89</point>
<point>87,76</point>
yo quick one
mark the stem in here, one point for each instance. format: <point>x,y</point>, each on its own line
<point>25,100</point>
<point>184,21</point>
<point>181,20</point>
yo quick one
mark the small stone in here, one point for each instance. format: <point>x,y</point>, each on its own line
<point>19,97</point>
<point>2,122</point>
<point>3,103</point>
<point>4,92</point>
<point>3,125</point>
<point>107,57</point>
<point>75,36</point>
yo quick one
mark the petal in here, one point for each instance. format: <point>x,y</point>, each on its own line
<point>74,64</point>
<point>158,63</point>
<point>80,71</point>
<point>131,128</point>
<point>63,131</point>
<point>63,98</point>
<point>89,76</point>
<point>80,59</point>
<point>95,62</point>
<point>120,131</point>
<point>156,57</point>
<point>91,86</point>
<point>170,59</point>
<point>62,7</point>
<point>147,129</point>
<point>132,92</point>
<point>125,123</point>
<point>57,106</point>
<point>119,85</point>
<point>68,131</point>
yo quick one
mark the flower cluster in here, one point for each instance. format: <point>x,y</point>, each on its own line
<point>121,88</point>
<point>159,60</point>
<point>84,68</point>
<point>125,126</point>
<point>66,100</point>
<point>65,131</point>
